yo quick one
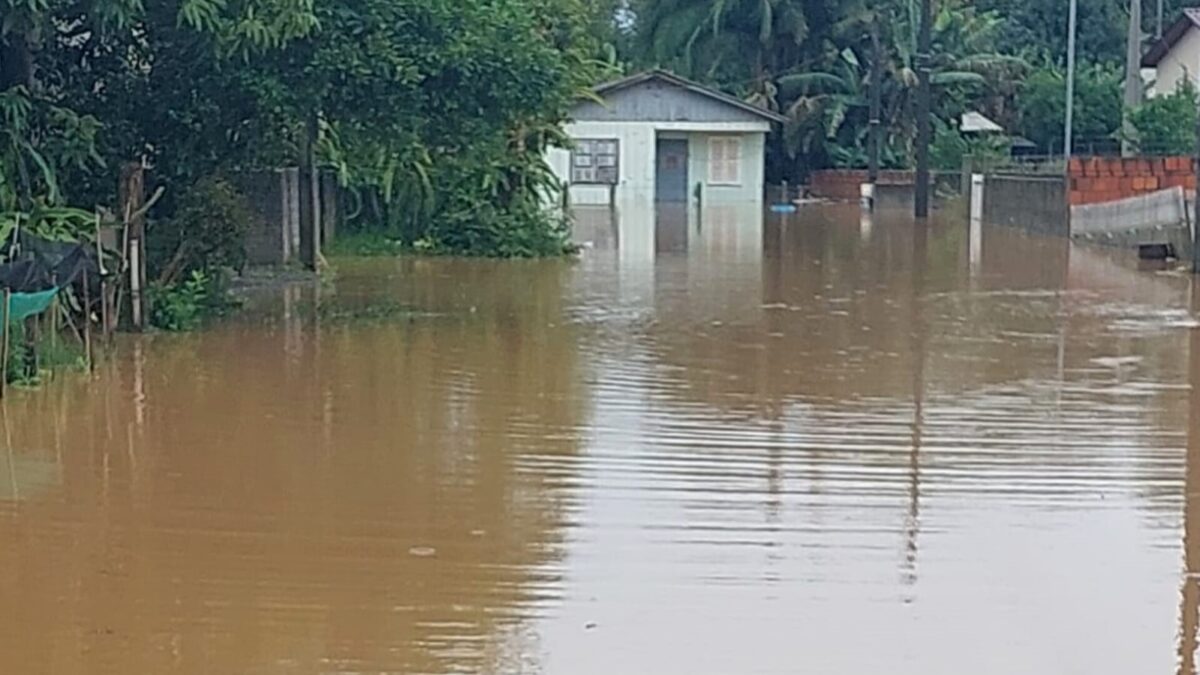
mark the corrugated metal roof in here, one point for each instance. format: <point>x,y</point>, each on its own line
<point>976,122</point>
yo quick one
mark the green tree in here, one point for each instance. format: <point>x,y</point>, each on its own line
<point>430,109</point>
<point>440,111</point>
<point>1042,107</point>
<point>1166,125</point>
<point>1039,27</point>
<point>811,61</point>
<point>66,68</point>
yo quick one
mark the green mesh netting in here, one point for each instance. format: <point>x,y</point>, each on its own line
<point>21,305</point>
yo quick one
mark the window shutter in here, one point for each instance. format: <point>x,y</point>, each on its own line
<point>733,159</point>
<point>725,160</point>
<point>717,161</point>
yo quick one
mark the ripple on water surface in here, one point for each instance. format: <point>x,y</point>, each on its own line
<point>845,450</point>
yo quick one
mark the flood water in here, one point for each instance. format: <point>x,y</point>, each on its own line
<point>852,448</point>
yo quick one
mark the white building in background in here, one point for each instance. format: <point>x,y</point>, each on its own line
<point>1177,56</point>
<point>659,148</point>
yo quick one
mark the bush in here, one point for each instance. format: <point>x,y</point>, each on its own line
<point>53,351</point>
<point>184,306</point>
<point>485,230</point>
<point>492,202</point>
<point>1166,125</point>
<point>950,146</point>
<point>206,233</point>
<point>365,244</point>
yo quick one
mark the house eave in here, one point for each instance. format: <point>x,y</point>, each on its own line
<point>684,83</point>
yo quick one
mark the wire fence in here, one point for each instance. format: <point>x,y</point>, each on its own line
<point>1033,165</point>
<point>1112,147</point>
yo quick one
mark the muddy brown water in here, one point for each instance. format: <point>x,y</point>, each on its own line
<point>854,449</point>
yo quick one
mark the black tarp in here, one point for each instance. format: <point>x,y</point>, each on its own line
<point>38,264</point>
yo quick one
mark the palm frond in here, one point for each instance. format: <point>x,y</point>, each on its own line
<point>943,79</point>
<point>805,84</point>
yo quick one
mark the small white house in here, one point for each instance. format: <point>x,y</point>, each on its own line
<point>657,139</point>
<point>1177,56</point>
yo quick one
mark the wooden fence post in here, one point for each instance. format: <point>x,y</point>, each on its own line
<point>4,342</point>
<point>87,324</point>
<point>132,196</point>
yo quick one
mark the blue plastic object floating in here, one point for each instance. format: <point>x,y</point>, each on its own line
<point>783,208</point>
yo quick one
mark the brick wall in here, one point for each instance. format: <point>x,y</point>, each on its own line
<point>844,183</point>
<point>1104,179</point>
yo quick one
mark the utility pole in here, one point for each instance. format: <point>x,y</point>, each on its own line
<point>1133,75</point>
<point>876,127</point>
<point>924,105</point>
<point>1196,215</point>
<point>1069,130</point>
<point>1159,25</point>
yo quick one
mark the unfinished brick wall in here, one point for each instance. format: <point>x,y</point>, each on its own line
<point>844,184</point>
<point>1096,180</point>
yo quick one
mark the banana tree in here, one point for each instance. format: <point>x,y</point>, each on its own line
<point>827,109</point>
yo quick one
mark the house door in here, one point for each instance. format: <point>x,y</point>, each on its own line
<point>671,227</point>
<point>671,174</point>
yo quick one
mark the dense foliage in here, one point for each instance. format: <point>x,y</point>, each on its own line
<point>811,61</point>
<point>440,112</point>
<point>1166,125</point>
<point>1039,26</point>
<point>186,304</point>
<point>435,113</point>
<point>1042,106</point>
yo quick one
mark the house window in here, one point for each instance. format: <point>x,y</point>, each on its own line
<point>724,160</point>
<point>595,161</point>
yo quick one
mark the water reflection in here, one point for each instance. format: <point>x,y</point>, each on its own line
<point>642,230</point>
<point>671,228</point>
<point>806,430</point>
<point>913,524</point>
<point>287,497</point>
<point>1189,610</point>
<point>23,476</point>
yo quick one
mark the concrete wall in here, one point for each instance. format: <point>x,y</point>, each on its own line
<point>1157,218</point>
<point>1035,203</point>
<point>331,213</point>
<point>1097,180</point>
<point>1181,62</point>
<point>273,196</point>
<point>273,236</point>
<point>898,197</point>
